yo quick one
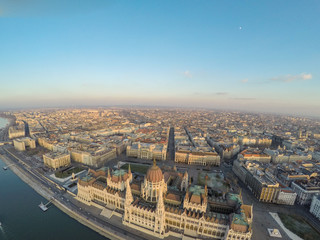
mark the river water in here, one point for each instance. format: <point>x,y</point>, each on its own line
<point>22,219</point>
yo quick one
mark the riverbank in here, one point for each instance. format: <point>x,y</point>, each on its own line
<point>48,194</point>
<point>11,119</point>
<point>4,136</point>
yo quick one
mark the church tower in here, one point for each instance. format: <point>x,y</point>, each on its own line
<point>184,182</point>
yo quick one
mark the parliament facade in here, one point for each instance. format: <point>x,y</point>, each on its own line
<point>164,203</point>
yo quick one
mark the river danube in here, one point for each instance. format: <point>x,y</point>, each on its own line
<point>22,219</point>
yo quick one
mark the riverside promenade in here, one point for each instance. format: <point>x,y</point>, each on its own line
<point>50,192</point>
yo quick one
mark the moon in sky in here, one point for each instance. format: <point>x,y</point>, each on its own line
<point>240,28</point>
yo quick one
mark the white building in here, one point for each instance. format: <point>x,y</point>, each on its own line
<point>305,192</point>
<point>315,206</point>
<point>287,197</point>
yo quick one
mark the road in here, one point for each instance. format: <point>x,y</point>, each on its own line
<point>171,145</point>
<point>26,129</point>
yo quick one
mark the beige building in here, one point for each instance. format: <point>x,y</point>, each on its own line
<point>47,143</point>
<point>153,208</point>
<point>197,158</point>
<point>22,143</point>
<point>16,131</point>
<point>262,141</point>
<point>96,158</point>
<point>56,160</point>
<point>229,151</point>
<point>253,154</point>
<point>262,184</point>
<point>147,151</point>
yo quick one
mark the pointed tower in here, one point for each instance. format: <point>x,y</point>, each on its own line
<point>186,199</point>
<point>127,203</point>
<point>184,182</point>
<point>109,175</point>
<point>160,204</point>
<point>130,173</point>
<point>129,169</point>
<point>187,195</point>
<point>129,198</point>
<point>160,219</point>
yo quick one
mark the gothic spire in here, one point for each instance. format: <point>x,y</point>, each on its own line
<point>129,169</point>
<point>109,175</point>
<point>129,198</point>
<point>160,204</point>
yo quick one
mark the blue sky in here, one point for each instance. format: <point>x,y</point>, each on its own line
<point>246,55</point>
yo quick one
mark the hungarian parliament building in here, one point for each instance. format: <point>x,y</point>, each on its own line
<point>164,202</point>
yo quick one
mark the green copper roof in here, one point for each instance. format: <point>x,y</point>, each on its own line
<point>86,178</point>
<point>103,169</point>
<point>196,190</point>
<point>239,219</point>
<point>235,197</point>
<point>119,172</point>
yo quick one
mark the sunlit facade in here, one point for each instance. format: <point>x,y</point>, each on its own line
<point>164,204</point>
<point>56,160</point>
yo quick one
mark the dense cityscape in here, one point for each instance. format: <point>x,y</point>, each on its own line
<point>170,173</point>
<point>175,120</point>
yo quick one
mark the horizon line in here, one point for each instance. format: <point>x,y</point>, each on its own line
<point>137,106</point>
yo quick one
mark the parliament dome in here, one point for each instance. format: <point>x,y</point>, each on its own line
<point>154,174</point>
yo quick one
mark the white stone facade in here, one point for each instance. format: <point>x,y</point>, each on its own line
<point>286,197</point>
<point>157,218</point>
<point>315,206</point>
<point>304,196</point>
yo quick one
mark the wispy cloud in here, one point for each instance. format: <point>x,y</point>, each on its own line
<point>244,80</point>
<point>292,78</point>
<point>187,74</point>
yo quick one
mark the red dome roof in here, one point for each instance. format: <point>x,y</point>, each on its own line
<point>154,174</point>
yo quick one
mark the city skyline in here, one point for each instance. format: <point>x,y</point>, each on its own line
<point>170,171</point>
<point>232,55</point>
